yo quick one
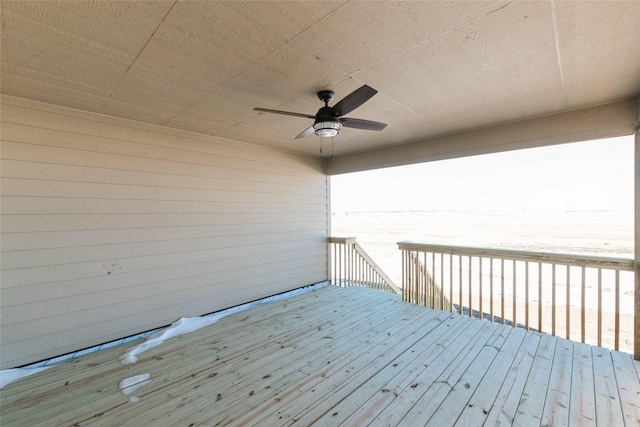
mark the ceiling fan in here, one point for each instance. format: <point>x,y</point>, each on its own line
<point>328,120</point>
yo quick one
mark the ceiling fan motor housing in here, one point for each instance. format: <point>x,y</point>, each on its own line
<point>327,123</point>
<point>326,114</point>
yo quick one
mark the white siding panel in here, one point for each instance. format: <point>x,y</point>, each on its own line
<point>73,238</point>
<point>165,265</point>
<point>46,154</point>
<point>112,227</point>
<point>63,255</point>
<point>202,278</point>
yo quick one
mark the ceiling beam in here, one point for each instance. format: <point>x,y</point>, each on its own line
<point>603,121</point>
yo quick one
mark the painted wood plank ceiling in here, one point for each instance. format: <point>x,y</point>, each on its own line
<point>440,67</point>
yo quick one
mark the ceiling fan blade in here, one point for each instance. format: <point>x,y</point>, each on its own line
<point>305,132</point>
<point>354,100</point>
<point>286,113</point>
<point>362,124</point>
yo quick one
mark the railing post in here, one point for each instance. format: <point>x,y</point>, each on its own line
<point>636,338</point>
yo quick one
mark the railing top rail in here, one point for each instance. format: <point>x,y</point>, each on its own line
<point>614,263</point>
<point>343,240</point>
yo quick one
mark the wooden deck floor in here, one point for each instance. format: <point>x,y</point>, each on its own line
<point>338,356</point>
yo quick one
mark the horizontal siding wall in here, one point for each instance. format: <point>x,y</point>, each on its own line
<point>112,227</point>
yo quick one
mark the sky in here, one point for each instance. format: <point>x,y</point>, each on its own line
<point>591,175</point>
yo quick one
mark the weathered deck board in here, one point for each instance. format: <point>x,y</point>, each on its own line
<point>337,356</point>
<point>607,395</point>
<point>582,408</point>
<point>556,405</point>
<point>363,405</point>
<point>510,394</point>
<point>627,386</point>
<point>486,391</point>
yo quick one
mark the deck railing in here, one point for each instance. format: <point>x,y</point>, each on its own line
<point>583,298</point>
<point>350,265</point>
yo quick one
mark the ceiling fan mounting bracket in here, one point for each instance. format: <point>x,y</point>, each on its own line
<point>325,96</point>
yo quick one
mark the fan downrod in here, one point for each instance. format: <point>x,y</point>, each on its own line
<point>325,96</point>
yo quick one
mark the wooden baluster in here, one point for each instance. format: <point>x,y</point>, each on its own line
<point>450,282</point>
<point>442,281</point>
<point>406,281</point>
<point>365,273</point>
<point>403,254</point>
<point>583,308</point>
<point>553,300</point>
<point>502,313</point>
<point>416,268</point>
<point>540,296</point>
<point>340,266</point>
<point>470,291</point>
<point>428,283</point>
<point>411,271</point>
<point>617,317</point>
<point>599,307</point>
<point>568,298</point>
<point>433,278</point>
<point>460,280</point>
<point>352,258</point>
<point>416,277</point>
<point>347,254</point>
<point>347,251</point>
<point>333,263</point>
<point>367,270</point>
<point>526,295</point>
<point>408,273</point>
<point>422,290</point>
<point>354,264</point>
<point>345,275</point>
<point>422,285</point>
<point>515,307</point>
<point>344,260</point>
<point>340,261</point>
<point>480,295</point>
<point>355,269</point>
<point>491,289</point>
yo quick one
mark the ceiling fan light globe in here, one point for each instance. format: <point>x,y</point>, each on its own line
<point>326,133</point>
<point>327,129</point>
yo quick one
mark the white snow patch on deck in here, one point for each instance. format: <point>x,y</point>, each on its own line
<point>183,326</point>
<point>186,325</point>
<point>7,376</point>
<point>131,384</point>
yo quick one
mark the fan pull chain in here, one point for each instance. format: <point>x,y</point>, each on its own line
<point>332,158</point>
<point>321,141</point>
